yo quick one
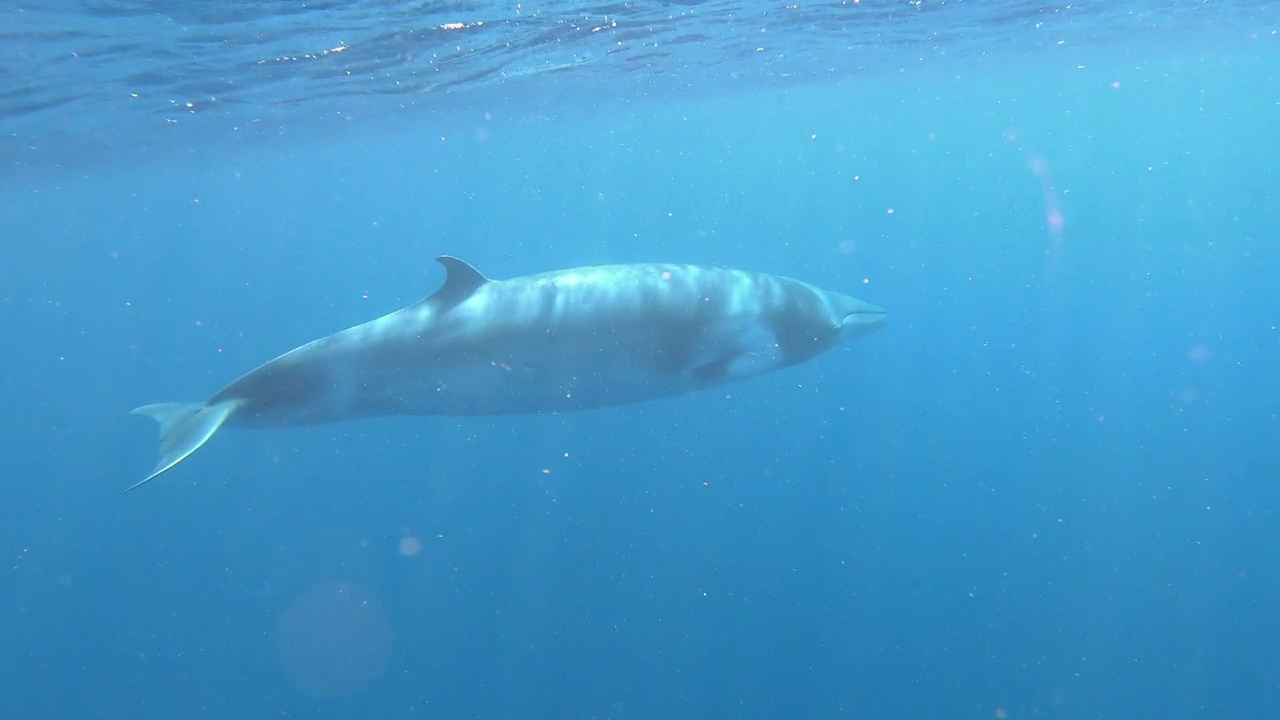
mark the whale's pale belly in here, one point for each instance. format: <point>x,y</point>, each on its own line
<point>544,367</point>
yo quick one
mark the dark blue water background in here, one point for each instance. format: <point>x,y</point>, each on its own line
<point>1047,489</point>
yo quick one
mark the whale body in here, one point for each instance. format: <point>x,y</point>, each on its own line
<point>566,340</point>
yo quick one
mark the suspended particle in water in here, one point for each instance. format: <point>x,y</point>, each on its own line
<point>410,546</point>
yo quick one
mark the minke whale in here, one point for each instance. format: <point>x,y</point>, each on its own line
<point>576,339</point>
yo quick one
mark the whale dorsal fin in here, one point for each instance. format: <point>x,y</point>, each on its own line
<point>460,281</point>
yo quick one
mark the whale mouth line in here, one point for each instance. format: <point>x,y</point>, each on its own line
<point>862,321</point>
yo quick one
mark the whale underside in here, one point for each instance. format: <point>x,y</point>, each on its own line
<point>561,341</point>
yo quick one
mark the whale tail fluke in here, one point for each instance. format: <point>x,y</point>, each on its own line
<point>184,427</point>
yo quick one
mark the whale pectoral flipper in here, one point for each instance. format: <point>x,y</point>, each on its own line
<point>184,427</point>
<point>714,371</point>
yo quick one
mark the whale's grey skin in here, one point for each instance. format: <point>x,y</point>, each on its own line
<point>566,340</point>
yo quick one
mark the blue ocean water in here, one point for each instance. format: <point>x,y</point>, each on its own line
<point>1046,490</point>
